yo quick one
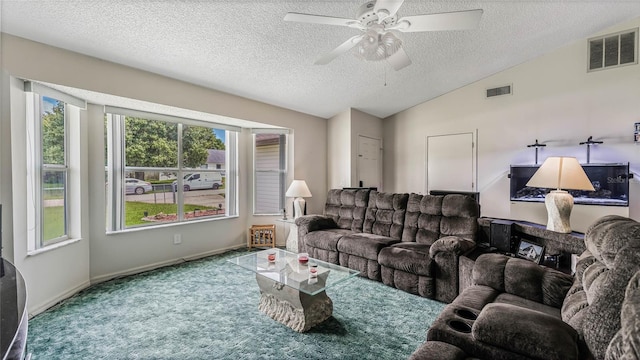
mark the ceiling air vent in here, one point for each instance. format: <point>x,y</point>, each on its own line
<point>613,50</point>
<point>502,90</point>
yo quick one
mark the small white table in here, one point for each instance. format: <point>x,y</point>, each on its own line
<point>291,229</point>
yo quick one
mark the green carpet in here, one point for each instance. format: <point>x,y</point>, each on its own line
<point>208,309</point>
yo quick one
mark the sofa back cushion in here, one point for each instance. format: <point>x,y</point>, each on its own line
<point>422,221</point>
<point>431,217</point>
<point>385,214</point>
<point>593,305</point>
<point>523,278</point>
<point>459,216</point>
<point>347,207</point>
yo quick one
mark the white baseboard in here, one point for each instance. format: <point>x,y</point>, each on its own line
<point>148,267</point>
<point>63,296</point>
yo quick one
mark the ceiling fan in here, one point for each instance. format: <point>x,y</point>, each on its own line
<point>378,21</point>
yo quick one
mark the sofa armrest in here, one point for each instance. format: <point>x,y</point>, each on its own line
<point>445,253</point>
<point>309,223</point>
<point>453,244</point>
<point>527,332</point>
<point>522,278</point>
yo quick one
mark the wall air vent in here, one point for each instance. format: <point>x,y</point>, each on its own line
<point>502,90</point>
<point>613,50</point>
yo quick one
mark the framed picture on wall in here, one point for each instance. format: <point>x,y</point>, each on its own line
<point>530,251</point>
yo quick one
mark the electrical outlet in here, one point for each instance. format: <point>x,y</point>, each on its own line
<point>177,239</point>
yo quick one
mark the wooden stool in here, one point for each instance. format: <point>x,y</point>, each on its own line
<point>262,235</point>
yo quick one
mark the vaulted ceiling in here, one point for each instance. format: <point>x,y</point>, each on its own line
<point>244,47</point>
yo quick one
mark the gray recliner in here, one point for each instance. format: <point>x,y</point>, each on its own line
<point>519,310</point>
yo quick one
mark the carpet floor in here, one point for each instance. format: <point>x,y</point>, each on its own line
<point>208,309</point>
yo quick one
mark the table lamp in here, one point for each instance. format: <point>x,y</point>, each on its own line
<point>560,172</point>
<point>298,190</point>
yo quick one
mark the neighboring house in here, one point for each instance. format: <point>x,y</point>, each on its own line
<point>216,159</point>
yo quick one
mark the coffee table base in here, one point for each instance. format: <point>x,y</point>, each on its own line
<point>291,307</point>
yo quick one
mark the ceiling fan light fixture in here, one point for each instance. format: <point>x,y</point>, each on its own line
<point>376,46</point>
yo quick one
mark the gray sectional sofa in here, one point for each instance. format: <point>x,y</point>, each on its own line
<point>520,310</point>
<point>408,241</point>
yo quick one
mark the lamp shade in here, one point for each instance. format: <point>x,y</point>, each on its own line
<point>298,188</point>
<point>561,172</point>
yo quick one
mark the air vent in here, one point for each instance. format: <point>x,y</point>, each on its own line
<point>613,50</point>
<point>502,90</point>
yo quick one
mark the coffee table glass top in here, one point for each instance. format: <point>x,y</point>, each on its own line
<point>287,270</point>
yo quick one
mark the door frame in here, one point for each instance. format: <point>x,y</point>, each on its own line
<point>380,153</point>
<point>474,158</point>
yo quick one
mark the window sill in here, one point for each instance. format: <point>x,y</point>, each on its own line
<point>52,247</point>
<point>182,223</point>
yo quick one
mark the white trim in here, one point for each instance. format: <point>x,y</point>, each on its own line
<point>270,131</point>
<point>160,264</point>
<point>52,246</point>
<point>170,118</point>
<point>34,87</point>
<point>60,297</point>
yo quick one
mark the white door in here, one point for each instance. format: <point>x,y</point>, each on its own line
<point>368,164</point>
<point>451,162</point>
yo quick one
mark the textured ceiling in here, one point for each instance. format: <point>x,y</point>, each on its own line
<point>245,48</point>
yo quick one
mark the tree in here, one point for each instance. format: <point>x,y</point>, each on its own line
<point>196,141</point>
<point>151,143</point>
<point>53,135</point>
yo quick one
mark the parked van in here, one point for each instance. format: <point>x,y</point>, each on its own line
<point>197,181</point>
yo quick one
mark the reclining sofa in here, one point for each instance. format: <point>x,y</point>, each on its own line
<point>408,241</point>
<point>519,310</point>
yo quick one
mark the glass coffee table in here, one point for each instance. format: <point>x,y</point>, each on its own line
<point>293,292</point>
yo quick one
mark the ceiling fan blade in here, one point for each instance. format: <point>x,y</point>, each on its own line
<point>341,49</point>
<point>319,19</point>
<point>459,20</point>
<point>386,8</point>
<point>399,59</point>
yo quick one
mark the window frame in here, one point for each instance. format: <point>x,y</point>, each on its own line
<point>283,167</point>
<point>116,168</point>
<point>36,166</point>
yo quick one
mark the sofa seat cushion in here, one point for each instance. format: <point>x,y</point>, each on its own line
<point>410,257</point>
<point>506,298</point>
<point>326,239</point>
<point>526,332</point>
<point>476,296</point>
<point>364,245</point>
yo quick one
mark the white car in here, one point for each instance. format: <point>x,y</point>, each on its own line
<point>197,181</point>
<point>139,187</point>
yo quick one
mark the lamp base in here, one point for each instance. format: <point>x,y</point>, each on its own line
<point>559,204</point>
<point>298,207</point>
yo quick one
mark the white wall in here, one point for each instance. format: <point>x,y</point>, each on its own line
<point>363,124</point>
<point>342,145</point>
<point>52,275</point>
<point>339,150</point>
<point>554,100</point>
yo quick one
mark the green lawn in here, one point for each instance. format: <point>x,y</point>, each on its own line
<point>54,215</point>
<point>135,211</point>
<point>53,222</point>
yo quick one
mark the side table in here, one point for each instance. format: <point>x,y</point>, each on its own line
<point>291,231</point>
<point>262,236</point>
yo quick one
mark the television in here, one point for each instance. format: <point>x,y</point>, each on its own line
<point>610,181</point>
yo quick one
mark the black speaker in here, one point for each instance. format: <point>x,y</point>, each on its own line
<point>502,237</point>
